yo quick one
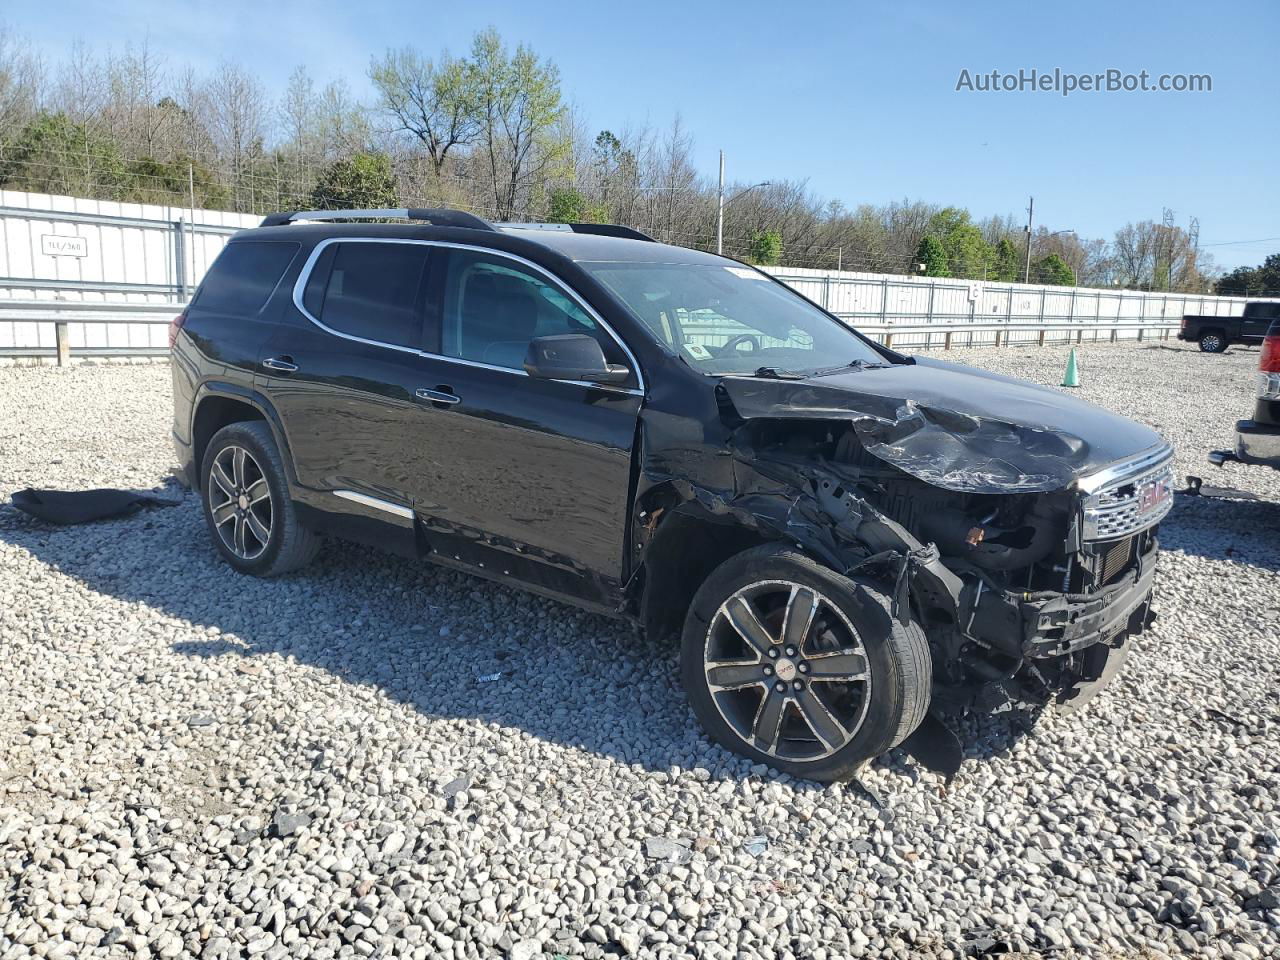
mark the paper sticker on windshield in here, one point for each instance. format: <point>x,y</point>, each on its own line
<point>745,273</point>
<point>697,351</point>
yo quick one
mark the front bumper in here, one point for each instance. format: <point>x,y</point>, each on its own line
<point>1065,624</point>
<point>1038,626</point>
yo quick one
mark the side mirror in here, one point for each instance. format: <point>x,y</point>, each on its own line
<point>572,356</point>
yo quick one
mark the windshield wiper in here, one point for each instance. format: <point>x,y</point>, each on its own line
<point>773,373</point>
<point>858,364</point>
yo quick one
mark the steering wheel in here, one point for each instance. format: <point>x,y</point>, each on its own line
<point>732,345</point>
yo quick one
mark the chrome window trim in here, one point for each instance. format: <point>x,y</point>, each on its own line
<point>300,285</point>
<point>368,501</point>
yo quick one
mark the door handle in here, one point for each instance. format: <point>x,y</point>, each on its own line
<point>437,396</point>
<point>283,364</point>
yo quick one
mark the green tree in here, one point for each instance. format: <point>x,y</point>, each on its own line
<point>1256,281</point>
<point>436,102</point>
<point>361,181</point>
<point>149,180</point>
<point>1052,270</point>
<point>1006,265</point>
<point>53,154</point>
<point>933,256</point>
<point>967,253</point>
<point>520,110</point>
<point>765,248</point>
<point>567,205</point>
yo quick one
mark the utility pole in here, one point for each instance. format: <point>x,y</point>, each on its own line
<point>1026,271</point>
<point>720,211</point>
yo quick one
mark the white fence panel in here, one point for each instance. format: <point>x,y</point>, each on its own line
<point>71,250</point>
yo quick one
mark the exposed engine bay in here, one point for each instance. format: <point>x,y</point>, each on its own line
<point>1022,609</point>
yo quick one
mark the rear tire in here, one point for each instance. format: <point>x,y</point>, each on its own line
<point>1211,341</point>
<point>833,680</point>
<point>247,507</point>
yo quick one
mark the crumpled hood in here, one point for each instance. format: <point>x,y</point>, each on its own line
<point>956,427</point>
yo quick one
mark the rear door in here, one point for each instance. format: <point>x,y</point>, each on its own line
<point>228,319</point>
<point>528,477</point>
<point>342,374</point>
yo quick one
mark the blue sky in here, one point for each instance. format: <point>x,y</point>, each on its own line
<point>857,98</point>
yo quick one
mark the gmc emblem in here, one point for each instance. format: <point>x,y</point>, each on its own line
<point>1152,495</point>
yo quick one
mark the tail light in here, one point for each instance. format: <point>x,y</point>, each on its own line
<point>174,326</point>
<point>1269,367</point>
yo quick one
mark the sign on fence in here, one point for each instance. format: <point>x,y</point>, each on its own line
<point>55,245</point>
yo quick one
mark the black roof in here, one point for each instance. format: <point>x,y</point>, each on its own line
<point>579,247</point>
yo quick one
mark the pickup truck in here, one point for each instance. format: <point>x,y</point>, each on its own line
<point>838,537</point>
<point>1215,334</point>
<point>1258,440</point>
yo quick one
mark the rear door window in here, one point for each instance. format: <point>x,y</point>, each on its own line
<point>243,277</point>
<point>373,291</point>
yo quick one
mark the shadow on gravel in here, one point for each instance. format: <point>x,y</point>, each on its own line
<point>444,643</point>
<point>1237,531</point>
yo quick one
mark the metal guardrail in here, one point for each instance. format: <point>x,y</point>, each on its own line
<point>61,313</point>
<point>1110,329</point>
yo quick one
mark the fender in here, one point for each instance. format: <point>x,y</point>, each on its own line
<point>233,391</point>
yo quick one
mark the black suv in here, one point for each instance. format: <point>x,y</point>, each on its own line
<point>841,535</point>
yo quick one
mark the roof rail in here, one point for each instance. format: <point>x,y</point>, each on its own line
<point>598,229</point>
<point>437,216</point>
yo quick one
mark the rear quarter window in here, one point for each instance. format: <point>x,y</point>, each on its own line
<point>370,290</point>
<point>243,277</point>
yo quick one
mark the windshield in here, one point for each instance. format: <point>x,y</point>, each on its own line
<point>732,319</point>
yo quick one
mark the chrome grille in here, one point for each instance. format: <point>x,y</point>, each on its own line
<point>1127,498</point>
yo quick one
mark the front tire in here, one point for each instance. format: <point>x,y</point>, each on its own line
<point>247,507</point>
<point>791,664</point>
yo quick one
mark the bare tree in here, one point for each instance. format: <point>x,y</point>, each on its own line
<point>520,108</point>
<point>21,75</point>
<point>80,91</point>
<point>343,122</point>
<point>237,116</point>
<point>132,112</point>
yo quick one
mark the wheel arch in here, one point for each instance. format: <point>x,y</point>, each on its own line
<point>678,558</point>
<point>219,404</point>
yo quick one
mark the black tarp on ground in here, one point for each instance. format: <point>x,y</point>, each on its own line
<point>83,506</point>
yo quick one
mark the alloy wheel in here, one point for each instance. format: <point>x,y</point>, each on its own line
<point>787,670</point>
<point>1210,344</point>
<point>240,502</point>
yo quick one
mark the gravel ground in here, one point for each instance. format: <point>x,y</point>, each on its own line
<point>198,763</point>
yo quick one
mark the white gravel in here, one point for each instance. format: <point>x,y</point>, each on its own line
<point>198,763</point>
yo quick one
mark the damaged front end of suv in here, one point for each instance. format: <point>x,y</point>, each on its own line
<point>1025,553</point>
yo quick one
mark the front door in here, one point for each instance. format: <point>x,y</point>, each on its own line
<point>530,477</point>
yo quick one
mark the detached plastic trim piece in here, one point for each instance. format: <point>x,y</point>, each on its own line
<point>68,507</point>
